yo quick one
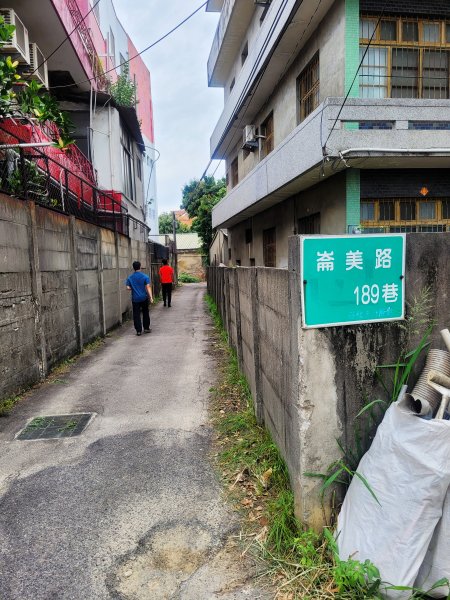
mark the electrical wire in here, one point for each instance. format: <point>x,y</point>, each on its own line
<point>63,42</point>
<point>356,75</point>
<point>246,89</point>
<point>152,45</point>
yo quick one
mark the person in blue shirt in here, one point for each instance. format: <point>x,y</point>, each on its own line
<point>141,294</point>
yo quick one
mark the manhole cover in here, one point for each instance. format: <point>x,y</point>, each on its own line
<point>59,426</point>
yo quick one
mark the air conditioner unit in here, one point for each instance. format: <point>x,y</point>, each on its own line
<point>18,43</point>
<point>249,137</point>
<point>38,66</point>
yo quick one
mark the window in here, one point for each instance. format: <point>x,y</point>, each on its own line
<point>123,60</point>
<point>248,236</point>
<point>406,214</point>
<point>367,211</point>
<point>308,89</point>
<point>139,167</point>
<point>234,173</point>
<point>386,210</point>
<point>309,225</point>
<point>405,73</point>
<point>410,31</point>
<point>127,164</point>
<point>373,74</point>
<point>112,48</point>
<point>406,58</point>
<point>244,53</point>
<point>266,130</point>
<point>233,81</point>
<point>252,262</point>
<point>269,247</point>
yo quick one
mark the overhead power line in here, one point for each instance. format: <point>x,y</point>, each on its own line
<point>152,45</point>
<point>366,50</point>
<point>64,41</point>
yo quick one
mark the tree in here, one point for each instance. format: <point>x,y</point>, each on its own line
<point>199,198</point>
<point>166,224</point>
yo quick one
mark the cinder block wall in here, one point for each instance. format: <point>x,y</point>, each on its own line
<point>62,284</point>
<point>308,385</point>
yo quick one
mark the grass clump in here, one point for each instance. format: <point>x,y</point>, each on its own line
<point>8,404</point>
<point>188,278</point>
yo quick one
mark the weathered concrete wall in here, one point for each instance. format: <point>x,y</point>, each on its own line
<point>19,359</point>
<point>61,285</point>
<point>308,385</point>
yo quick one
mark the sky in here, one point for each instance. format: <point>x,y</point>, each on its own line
<point>185,110</point>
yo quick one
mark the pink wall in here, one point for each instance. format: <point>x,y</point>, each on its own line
<point>62,9</point>
<point>145,105</point>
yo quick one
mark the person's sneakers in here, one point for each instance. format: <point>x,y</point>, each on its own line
<point>138,332</point>
<point>147,330</point>
<point>169,305</point>
<point>164,303</point>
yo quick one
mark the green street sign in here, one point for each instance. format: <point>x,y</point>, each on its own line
<point>349,279</point>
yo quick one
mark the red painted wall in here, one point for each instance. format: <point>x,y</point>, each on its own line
<point>145,105</point>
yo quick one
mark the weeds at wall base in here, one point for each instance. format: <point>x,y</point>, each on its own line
<point>297,561</point>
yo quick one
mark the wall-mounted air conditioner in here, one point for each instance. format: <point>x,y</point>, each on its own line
<point>249,139</point>
<point>18,43</point>
<point>38,66</point>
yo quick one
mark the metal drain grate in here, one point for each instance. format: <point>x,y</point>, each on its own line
<point>59,426</point>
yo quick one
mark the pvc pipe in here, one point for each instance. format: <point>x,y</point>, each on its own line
<point>26,145</point>
<point>445,333</point>
<point>439,378</point>
<point>398,150</point>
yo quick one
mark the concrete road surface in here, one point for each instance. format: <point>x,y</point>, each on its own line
<point>130,508</point>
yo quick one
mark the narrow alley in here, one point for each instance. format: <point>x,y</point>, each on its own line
<point>131,508</point>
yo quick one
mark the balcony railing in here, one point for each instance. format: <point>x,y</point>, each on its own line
<point>225,15</point>
<point>33,173</point>
<point>86,39</point>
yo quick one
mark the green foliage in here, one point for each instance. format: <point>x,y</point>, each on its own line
<point>166,224</point>
<point>28,176</point>
<point>187,278</point>
<point>7,405</point>
<point>123,90</point>
<point>199,198</point>
<point>31,100</point>
<point>363,580</point>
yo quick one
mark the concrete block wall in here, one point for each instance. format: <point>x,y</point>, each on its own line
<point>309,384</point>
<point>61,286</point>
<point>19,359</point>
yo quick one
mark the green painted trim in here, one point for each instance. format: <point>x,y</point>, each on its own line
<point>351,46</point>
<point>353,198</point>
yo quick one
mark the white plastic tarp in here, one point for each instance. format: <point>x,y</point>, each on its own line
<point>408,468</point>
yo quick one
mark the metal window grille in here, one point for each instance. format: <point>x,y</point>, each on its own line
<point>407,58</point>
<point>267,131</point>
<point>308,85</point>
<point>270,247</point>
<point>405,215</point>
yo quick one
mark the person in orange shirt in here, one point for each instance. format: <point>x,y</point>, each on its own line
<point>166,278</point>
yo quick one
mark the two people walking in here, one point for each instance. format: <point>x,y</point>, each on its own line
<point>141,293</point>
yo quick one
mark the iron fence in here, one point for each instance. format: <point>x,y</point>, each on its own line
<point>34,174</point>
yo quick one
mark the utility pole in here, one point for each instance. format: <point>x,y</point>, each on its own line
<point>174,226</point>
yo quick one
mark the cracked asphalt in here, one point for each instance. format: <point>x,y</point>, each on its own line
<point>130,509</point>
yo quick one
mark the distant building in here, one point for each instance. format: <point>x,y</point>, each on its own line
<point>301,161</point>
<point>183,218</point>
